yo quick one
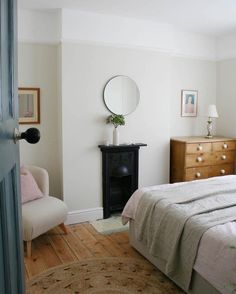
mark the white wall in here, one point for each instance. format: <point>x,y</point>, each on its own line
<point>226,97</point>
<point>53,26</point>
<point>37,67</point>
<point>85,70</point>
<point>78,26</point>
<point>193,45</point>
<point>39,26</point>
<point>74,125</point>
<point>95,48</point>
<point>191,74</point>
<point>226,47</point>
<point>226,84</point>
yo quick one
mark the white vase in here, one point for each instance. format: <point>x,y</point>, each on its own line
<point>115,136</point>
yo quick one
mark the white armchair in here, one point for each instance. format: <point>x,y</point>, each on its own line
<point>43,214</point>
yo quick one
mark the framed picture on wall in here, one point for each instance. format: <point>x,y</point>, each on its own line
<point>29,105</point>
<point>189,102</point>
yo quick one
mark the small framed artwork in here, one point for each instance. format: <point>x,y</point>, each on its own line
<point>189,102</point>
<point>29,105</point>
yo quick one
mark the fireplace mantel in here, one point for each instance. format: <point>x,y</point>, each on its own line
<point>119,175</point>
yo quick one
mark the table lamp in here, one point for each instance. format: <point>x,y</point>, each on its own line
<point>211,113</point>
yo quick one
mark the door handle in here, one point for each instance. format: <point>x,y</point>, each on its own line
<point>32,135</point>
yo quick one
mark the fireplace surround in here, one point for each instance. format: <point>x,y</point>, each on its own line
<point>119,175</point>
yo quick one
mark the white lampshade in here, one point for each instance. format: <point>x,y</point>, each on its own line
<point>212,112</point>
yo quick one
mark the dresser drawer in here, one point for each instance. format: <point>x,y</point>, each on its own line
<point>222,170</point>
<point>198,148</point>
<point>223,157</point>
<point>220,146</point>
<point>196,160</point>
<point>197,173</point>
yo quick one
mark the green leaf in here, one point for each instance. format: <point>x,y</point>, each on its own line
<point>116,120</point>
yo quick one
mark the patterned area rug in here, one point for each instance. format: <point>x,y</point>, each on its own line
<point>111,275</point>
<point>110,225</point>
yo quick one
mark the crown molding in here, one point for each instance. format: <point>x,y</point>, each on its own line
<point>79,27</point>
<point>115,45</point>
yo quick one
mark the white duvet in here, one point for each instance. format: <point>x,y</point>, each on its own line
<point>216,258</point>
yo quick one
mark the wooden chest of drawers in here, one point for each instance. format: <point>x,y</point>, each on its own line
<point>193,158</point>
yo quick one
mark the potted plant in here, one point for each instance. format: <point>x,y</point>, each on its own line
<point>116,120</point>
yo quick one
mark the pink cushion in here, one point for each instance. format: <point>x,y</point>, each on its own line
<point>29,188</point>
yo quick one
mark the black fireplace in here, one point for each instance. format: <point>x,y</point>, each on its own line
<point>119,175</point>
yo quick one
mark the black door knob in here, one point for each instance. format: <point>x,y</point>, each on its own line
<point>32,135</point>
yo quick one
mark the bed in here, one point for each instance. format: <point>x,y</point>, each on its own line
<point>188,231</point>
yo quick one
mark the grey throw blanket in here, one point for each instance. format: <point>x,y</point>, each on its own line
<point>172,222</point>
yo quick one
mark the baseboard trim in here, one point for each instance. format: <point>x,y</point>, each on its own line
<point>86,215</point>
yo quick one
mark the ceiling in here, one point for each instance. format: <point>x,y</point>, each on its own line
<point>211,17</point>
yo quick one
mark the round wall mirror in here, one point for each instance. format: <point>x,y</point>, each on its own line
<point>121,95</point>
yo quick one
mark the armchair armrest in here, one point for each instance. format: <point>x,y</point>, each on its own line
<point>41,177</point>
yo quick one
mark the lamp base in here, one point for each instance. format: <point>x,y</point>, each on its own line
<point>209,128</point>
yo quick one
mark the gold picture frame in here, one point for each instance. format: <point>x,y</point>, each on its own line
<point>29,105</point>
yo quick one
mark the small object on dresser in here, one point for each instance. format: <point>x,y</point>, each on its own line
<point>211,113</point>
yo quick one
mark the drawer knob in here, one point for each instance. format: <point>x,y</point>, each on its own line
<point>223,157</point>
<point>199,159</point>
<point>222,171</point>
<point>198,175</point>
<point>225,146</point>
<point>199,148</point>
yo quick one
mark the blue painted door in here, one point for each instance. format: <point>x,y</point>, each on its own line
<point>11,250</point>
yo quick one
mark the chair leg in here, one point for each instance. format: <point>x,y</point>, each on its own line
<point>29,248</point>
<point>63,228</point>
